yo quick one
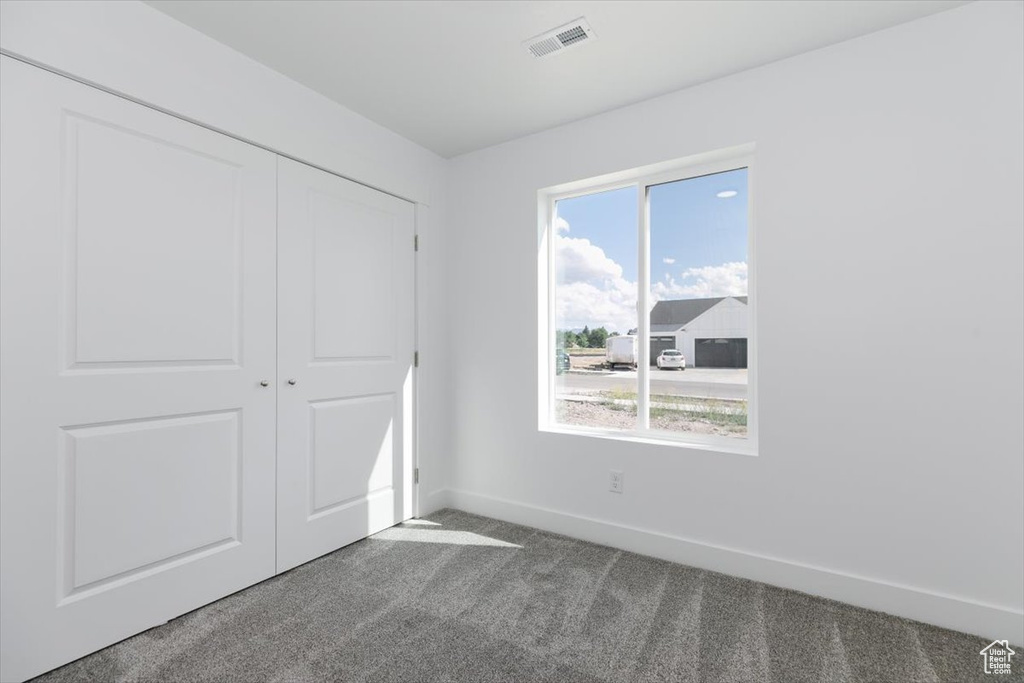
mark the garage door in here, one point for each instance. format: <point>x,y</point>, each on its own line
<point>659,344</point>
<point>720,353</point>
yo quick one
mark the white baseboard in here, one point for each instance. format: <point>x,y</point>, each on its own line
<point>434,501</point>
<point>960,614</point>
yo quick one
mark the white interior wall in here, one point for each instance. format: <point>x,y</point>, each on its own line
<point>135,50</point>
<point>889,218</point>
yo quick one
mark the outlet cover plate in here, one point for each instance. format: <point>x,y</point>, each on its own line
<point>615,481</point>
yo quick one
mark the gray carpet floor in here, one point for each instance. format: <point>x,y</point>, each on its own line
<point>462,598</point>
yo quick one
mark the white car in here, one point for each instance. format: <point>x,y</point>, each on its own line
<point>671,358</point>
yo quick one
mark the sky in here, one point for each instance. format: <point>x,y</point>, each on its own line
<point>698,249</point>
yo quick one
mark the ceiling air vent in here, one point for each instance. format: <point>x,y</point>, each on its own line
<point>559,39</point>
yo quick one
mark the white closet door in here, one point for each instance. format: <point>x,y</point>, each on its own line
<point>137,290</point>
<point>345,338</point>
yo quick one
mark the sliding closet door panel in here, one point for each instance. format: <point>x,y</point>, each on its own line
<point>137,283</point>
<point>345,339</point>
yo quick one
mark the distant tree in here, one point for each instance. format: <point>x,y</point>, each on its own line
<point>597,337</point>
<point>583,338</point>
<point>613,334</point>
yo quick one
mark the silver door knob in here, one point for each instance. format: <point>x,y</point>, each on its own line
<point>264,383</point>
<point>292,382</point>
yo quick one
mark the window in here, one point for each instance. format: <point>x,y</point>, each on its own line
<point>595,275</point>
<point>677,246</point>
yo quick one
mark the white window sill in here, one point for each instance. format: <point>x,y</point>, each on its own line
<point>653,438</point>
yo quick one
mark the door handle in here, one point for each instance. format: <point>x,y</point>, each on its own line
<point>264,383</point>
<point>292,382</point>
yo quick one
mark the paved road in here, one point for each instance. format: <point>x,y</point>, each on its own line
<point>701,382</point>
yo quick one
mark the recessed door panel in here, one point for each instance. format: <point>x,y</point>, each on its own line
<point>353,245</point>
<point>143,492</point>
<point>154,238</point>
<point>352,447</point>
<point>345,360</point>
<point>137,459</point>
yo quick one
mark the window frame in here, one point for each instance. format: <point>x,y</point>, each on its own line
<point>643,179</point>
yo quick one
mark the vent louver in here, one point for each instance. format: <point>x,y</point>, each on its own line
<point>559,39</point>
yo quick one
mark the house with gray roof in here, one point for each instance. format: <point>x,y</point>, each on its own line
<point>711,333</point>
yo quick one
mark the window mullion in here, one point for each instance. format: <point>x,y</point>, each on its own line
<point>643,284</point>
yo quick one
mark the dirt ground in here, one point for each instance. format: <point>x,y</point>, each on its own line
<point>588,362</point>
<point>601,415</point>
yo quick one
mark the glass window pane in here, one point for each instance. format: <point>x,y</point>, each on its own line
<point>595,293</point>
<point>699,319</point>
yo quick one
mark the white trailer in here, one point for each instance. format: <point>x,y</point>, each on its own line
<point>621,350</point>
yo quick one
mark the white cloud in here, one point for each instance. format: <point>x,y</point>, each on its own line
<point>582,304</point>
<point>728,279</point>
<point>669,261</point>
<point>577,260</point>
<point>590,289</point>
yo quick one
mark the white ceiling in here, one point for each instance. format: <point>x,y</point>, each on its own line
<point>454,77</point>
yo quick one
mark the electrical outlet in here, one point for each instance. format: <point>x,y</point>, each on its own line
<point>615,481</point>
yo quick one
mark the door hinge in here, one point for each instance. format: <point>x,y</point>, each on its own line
<point>415,359</point>
<point>415,242</point>
<point>416,476</point>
